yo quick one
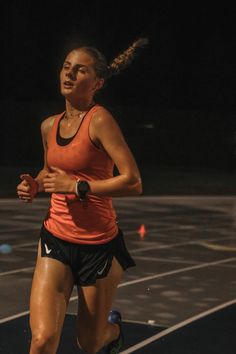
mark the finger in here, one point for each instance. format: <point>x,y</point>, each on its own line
<point>24,176</point>
<point>27,178</point>
<point>56,169</point>
<point>25,198</point>
<point>48,185</point>
<point>23,194</point>
<point>49,189</point>
<point>24,183</point>
<point>23,188</point>
<point>49,178</point>
<point>48,182</point>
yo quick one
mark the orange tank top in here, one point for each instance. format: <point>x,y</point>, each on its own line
<point>94,220</point>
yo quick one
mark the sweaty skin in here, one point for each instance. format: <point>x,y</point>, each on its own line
<point>53,280</point>
<point>78,85</point>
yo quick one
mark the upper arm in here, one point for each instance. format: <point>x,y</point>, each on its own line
<point>109,134</point>
<point>46,126</point>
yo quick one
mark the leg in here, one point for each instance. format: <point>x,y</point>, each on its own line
<point>51,289</point>
<point>94,306</point>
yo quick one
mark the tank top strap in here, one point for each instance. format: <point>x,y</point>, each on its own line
<point>53,131</point>
<point>89,116</point>
<point>84,126</point>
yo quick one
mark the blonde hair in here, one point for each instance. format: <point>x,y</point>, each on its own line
<point>124,59</point>
<point>119,63</point>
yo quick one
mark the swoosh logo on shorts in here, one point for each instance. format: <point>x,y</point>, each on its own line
<point>103,268</point>
<point>48,251</point>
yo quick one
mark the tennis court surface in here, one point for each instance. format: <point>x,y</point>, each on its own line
<point>179,299</point>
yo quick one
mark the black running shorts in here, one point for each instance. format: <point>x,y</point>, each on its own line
<point>87,262</point>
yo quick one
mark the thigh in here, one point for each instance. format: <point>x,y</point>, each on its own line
<point>50,293</point>
<point>95,301</point>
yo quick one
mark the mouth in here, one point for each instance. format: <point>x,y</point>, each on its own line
<point>68,84</point>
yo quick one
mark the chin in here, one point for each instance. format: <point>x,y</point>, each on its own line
<point>66,93</point>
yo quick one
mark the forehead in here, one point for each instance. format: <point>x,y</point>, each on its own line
<point>79,56</point>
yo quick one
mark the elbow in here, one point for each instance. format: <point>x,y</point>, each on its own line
<point>139,189</point>
<point>135,186</point>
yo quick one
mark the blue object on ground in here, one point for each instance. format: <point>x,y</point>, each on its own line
<point>5,248</point>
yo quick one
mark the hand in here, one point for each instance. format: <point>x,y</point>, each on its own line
<point>27,189</point>
<point>58,182</point>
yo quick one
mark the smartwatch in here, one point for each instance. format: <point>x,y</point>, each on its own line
<point>82,188</point>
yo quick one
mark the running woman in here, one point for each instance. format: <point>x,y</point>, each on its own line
<point>80,240</point>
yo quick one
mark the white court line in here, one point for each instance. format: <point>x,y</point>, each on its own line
<point>25,245</point>
<point>201,265</point>
<point>13,317</point>
<point>25,249</point>
<point>161,275</point>
<point>177,326</point>
<point>181,270</point>
<point>159,259</point>
<point>194,242</point>
<point>130,321</point>
<point>132,251</point>
<point>136,250</point>
<point>17,246</point>
<point>16,271</point>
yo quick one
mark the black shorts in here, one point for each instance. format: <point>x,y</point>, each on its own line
<point>87,262</point>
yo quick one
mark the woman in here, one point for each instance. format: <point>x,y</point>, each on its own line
<point>80,241</point>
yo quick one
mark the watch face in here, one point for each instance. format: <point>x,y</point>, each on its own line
<point>83,186</point>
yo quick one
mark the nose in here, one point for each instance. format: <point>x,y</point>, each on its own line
<point>71,74</point>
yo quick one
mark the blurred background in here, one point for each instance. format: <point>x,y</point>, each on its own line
<point>175,104</point>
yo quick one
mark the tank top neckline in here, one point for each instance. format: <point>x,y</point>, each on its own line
<point>66,141</point>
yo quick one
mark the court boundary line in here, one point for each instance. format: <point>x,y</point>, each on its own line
<point>171,272</point>
<point>160,259</point>
<point>13,317</point>
<point>28,244</point>
<point>185,243</point>
<point>136,250</point>
<point>177,326</point>
<point>140,280</point>
<point>159,335</point>
<point>198,265</point>
<point>14,271</point>
<point>156,325</point>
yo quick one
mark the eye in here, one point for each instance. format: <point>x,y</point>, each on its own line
<point>81,69</point>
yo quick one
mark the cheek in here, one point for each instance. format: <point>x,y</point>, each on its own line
<point>61,76</point>
<point>85,85</point>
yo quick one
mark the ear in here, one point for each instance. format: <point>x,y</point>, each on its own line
<point>98,84</point>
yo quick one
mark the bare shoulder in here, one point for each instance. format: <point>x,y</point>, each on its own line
<point>105,130</point>
<point>47,124</point>
<point>102,117</point>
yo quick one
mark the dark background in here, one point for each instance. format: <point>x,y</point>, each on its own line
<point>175,103</point>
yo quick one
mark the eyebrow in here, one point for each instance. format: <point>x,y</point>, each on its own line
<point>79,65</point>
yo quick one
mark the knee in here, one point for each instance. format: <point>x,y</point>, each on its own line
<point>89,345</point>
<point>42,343</point>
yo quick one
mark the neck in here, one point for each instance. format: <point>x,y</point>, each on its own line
<point>78,110</point>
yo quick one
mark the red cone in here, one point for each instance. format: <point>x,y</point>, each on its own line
<point>142,231</point>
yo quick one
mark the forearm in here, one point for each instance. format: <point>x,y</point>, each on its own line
<point>118,186</point>
<point>39,179</point>
<point>59,182</point>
